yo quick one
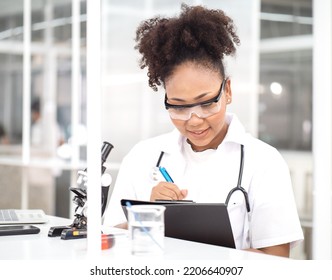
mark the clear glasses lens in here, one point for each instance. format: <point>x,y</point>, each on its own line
<point>202,111</point>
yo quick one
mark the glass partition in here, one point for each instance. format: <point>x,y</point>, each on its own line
<point>285,97</point>
<point>43,181</point>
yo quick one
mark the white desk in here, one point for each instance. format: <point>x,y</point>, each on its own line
<point>41,247</point>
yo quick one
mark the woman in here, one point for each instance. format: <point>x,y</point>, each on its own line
<point>185,55</point>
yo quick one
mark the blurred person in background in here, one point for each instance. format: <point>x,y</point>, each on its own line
<point>3,135</point>
<point>39,134</point>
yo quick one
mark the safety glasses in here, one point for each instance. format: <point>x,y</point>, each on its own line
<point>203,109</point>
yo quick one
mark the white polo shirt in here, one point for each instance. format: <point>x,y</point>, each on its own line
<point>210,175</point>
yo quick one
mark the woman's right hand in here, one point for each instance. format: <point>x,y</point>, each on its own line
<point>167,191</point>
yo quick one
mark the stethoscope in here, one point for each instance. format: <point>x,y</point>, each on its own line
<point>239,181</point>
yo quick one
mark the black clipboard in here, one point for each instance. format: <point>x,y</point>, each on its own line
<point>200,222</point>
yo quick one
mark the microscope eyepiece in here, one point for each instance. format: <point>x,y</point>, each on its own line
<point>105,150</point>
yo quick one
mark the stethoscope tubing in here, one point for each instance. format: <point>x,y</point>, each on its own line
<point>239,181</point>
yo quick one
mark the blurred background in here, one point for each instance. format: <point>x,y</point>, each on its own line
<point>43,107</point>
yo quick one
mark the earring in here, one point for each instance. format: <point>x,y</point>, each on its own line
<point>228,101</point>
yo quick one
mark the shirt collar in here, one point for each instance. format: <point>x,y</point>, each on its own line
<point>172,142</point>
<point>236,133</point>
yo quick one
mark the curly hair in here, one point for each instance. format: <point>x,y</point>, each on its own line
<point>199,35</point>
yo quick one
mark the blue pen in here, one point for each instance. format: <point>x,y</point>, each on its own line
<point>164,172</point>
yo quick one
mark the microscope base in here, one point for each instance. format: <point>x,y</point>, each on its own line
<point>56,231</point>
<point>73,233</point>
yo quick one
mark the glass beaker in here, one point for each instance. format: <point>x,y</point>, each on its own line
<point>146,229</point>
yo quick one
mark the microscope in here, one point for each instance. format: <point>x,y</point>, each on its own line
<point>78,228</point>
